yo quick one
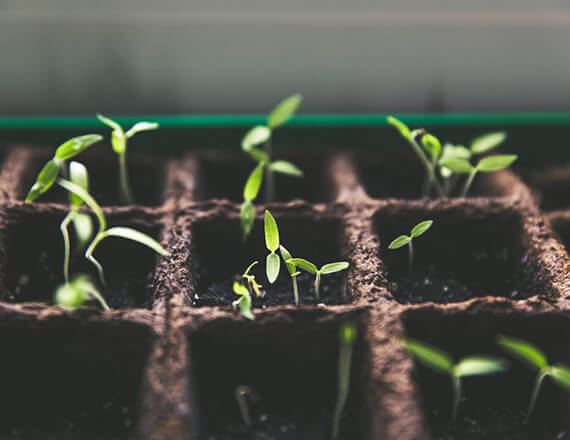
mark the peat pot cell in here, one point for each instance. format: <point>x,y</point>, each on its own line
<point>399,174</point>
<point>223,176</point>
<point>146,173</point>
<point>465,254</point>
<point>220,255</point>
<point>67,380</point>
<point>562,228</point>
<point>291,367</point>
<point>33,252</point>
<point>493,406</point>
<point>552,186</point>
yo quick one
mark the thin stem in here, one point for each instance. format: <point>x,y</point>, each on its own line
<point>344,361</point>
<point>95,294</point>
<point>539,378</point>
<point>317,285</point>
<point>410,258</point>
<point>428,182</point>
<point>456,381</point>
<point>270,175</point>
<point>125,193</point>
<point>447,185</point>
<point>66,245</point>
<point>89,255</point>
<point>241,392</point>
<point>468,182</point>
<point>295,289</point>
<point>427,165</point>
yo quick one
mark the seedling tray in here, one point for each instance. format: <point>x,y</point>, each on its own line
<point>165,362</point>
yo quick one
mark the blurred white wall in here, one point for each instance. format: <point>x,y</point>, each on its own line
<point>204,56</point>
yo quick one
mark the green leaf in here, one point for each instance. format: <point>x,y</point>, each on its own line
<point>83,227</point>
<point>253,183</point>
<point>69,296</point>
<point>141,126</point>
<point>479,365</point>
<point>245,307</point>
<point>256,136</point>
<point>421,228</point>
<point>348,332</point>
<point>455,152</point>
<point>90,201</point>
<point>487,142</point>
<point>119,142</point>
<point>287,256</point>
<point>76,145</point>
<point>561,375</point>
<point>45,179</point>
<point>271,232</point>
<point>459,166</point>
<point>259,155</point>
<point>523,351</point>
<point>109,122</point>
<point>432,357</point>
<point>273,264</point>
<point>431,144</point>
<point>284,167</point>
<point>402,128</point>
<point>399,242</point>
<point>304,264</point>
<point>247,215</point>
<point>496,163</point>
<point>139,237</point>
<point>284,110</point>
<point>334,267</point>
<point>240,289</point>
<point>78,175</point>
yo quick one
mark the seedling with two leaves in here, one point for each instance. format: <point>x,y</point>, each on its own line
<point>245,291</point>
<point>404,240</point>
<point>536,359</point>
<point>441,362</point>
<point>119,140</point>
<point>326,269</point>
<point>75,293</point>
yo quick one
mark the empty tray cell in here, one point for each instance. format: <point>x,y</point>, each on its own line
<point>63,379</point>
<point>493,406</point>
<point>33,259</point>
<point>551,186</point>
<point>468,252</point>
<point>561,225</point>
<point>223,176</point>
<point>146,173</point>
<point>399,174</point>
<point>290,365</point>
<point>220,254</point>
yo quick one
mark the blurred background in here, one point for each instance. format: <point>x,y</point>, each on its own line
<point>78,57</point>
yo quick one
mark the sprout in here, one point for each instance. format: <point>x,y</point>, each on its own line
<point>104,232</point>
<point>403,240</point>
<point>245,292</point>
<point>273,263</point>
<point>486,165</point>
<point>250,192</point>
<point>241,392</point>
<point>75,293</point>
<point>324,270</point>
<point>48,175</point>
<point>441,362</point>
<point>261,134</point>
<point>347,335</point>
<point>536,359</point>
<point>119,142</point>
<point>292,269</point>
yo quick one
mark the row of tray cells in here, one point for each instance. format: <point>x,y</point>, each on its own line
<point>76,379</point>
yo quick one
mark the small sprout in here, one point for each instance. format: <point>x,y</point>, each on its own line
<point>404,240</point>
<point>48,175</point>
<point>347,335</point>
<point>241,392</point>
<point>119,143</point>
<point>273,262</point>
<point>326,269</point>
<point>441,362</point>
<point>292,269</point>
<point>244,302</point>
<point>536,359</point>
<point>104,232</point>
<point>486,165</point>
<point>75,293</point>
<point>250,192</point>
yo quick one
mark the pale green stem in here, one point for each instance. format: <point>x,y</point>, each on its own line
<point>447,185</point>
<point>428,182</point>
<point>270,175</point>
<point>541,375</point>
<point>344,361</point>
<point>125,193</point>
<point>427,165</point>
<point>240,394</point>
<point>317,285</point>
<point>468,182</point>
<point>95,294</point>
<point>66,245</point>
<point>89,255</point>
<point>456,381</point>
<point>410,257</point>
<point>295,289</point>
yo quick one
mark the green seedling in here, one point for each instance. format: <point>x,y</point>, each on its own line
<point>104,232</point>
<point>441,362</point>
<point>404,240</point>
<point>250,192</point>
<point>326,269</point>
<point>245,291</point>
<point>273,263</point>
<point>347,335</point>
<point>242,392</point>
<point>486,165</point>
<point>261,134</point>
<point>75,293</point>
<point>536,359</point>
<point>292,269</point>
<point>56,165</point>
<point>119,143</point>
